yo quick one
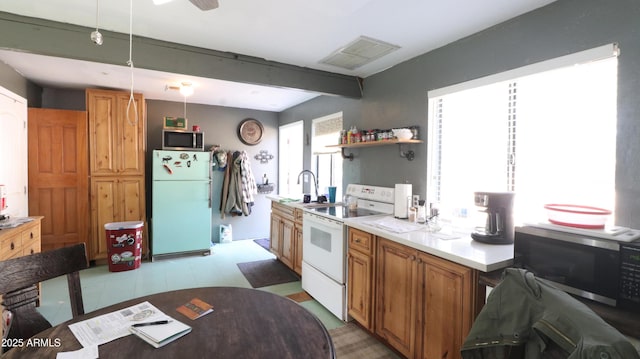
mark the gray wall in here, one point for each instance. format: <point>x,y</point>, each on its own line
<point>398,96</point>
<point>220,125</point>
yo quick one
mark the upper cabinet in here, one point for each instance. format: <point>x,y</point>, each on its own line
<point>121,145</point>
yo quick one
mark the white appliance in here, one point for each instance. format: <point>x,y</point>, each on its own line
<point>324,247</point>
<point>402,194</point>
<point>181,203</point>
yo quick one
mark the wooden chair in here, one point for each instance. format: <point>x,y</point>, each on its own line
<point>19,278</point>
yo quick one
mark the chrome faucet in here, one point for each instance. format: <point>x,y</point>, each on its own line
<point>315,182</point>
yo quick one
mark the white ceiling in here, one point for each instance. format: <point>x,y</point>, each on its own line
<point>294,32</point>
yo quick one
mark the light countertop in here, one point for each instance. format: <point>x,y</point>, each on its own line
<point>454,246</point>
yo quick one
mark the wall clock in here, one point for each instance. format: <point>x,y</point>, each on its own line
<point>250,131</point>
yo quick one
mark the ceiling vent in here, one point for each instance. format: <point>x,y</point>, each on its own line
<point>359,52</point>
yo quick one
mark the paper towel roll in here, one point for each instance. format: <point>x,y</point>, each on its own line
<point>402,193</point>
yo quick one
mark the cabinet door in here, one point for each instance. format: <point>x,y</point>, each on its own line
<point>360,288</point>
<point>114,199</point>
<point>395,295</point>
<point>445,313</point>
<point>297,257</point>
<point>131,145</point>
<point>116,141</point>
<point>274,242</point>
<point>287,243</point>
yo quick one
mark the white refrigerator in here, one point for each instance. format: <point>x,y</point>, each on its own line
<point>181,203</point>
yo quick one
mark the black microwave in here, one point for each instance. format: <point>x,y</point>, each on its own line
<point>182,140</point>
<point>598,269</point>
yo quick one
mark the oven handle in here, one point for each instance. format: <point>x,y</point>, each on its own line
<point>320,219</point>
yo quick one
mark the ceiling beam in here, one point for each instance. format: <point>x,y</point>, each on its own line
<point>50,38</point>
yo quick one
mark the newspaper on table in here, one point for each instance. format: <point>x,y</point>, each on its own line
<point>108,327</point>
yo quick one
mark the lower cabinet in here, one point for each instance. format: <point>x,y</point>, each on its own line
<point>286,235</point>
<point>360,281</point>
<point>425,304</point>
<point>421,305</point>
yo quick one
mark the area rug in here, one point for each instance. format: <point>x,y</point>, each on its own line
<point>300,297</point>
<point>263,242</point>
<point>350,341</point>
<point>267,272</point>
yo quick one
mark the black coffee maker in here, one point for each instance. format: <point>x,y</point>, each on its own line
<point>497,225</point>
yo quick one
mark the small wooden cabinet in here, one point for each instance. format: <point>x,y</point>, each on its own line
<point>20,241</point>
<point>286,235</point>
<point>360,279</point>
<point>424,304</point>
<point>117,145</point>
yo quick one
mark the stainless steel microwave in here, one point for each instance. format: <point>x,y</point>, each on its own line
<point>599,269</point>
<point>182,140</point>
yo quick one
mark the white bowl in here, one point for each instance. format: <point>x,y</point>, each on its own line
<point>402,133</point>
<point>577,216</point>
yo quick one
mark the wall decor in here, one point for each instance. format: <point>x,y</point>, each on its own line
<point>264,156</point>
<point>250,131</point>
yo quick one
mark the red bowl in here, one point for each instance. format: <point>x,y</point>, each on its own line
<point>577,216</point>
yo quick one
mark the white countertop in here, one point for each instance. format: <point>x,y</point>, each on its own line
<point>461,249</point>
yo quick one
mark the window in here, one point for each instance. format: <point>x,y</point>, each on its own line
<point>290,148</point>
<point>327,163</point>
<point>546,132</point>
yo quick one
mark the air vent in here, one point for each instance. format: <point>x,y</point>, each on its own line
<point>361,51</point>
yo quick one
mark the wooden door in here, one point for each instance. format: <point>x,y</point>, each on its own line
<point>445,307</point>
<point>117,140</point>
<point>297,256</point>
<point>359,288</point>
<point>287,243</point>
<point>58,175</point>
<point>274,242</point>
<point>396,293</point>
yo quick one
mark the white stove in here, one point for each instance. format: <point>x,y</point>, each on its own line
<point>324,248</point>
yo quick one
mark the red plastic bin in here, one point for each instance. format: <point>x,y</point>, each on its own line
<point>124,243</point>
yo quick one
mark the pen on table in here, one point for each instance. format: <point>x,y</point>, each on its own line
<point>159,322</point>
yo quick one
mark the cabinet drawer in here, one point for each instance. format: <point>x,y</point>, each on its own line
<point>30,247</point>
<point>297,215</point>
<point>361,241</point>
<point>31,234</point>
<point>282,210</point>
<point>11,246</point>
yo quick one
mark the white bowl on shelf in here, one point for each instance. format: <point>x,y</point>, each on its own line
<point>402,134</point>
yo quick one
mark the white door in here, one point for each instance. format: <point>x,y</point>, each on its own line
<point>13,147</point>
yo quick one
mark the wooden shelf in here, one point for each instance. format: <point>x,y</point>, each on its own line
<point>375,143</point>
<point>404,154</point>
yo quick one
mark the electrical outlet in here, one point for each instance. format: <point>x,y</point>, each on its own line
<point>415,200</point>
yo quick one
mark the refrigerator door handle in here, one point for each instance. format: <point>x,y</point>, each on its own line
<point>210,194</point>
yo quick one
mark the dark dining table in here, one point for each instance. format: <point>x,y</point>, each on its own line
<point>245,323</point>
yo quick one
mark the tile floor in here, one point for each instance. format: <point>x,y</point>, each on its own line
<point>101,288</point>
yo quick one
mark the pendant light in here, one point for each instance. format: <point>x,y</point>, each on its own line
<point>96,36</point>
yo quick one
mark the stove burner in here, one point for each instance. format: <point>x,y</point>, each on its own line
<point>341,212</point>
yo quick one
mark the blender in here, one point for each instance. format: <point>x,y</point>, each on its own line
<point>496,226</point>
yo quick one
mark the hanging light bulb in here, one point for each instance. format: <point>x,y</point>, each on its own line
<point>96,36</point>
<point>186,89</point>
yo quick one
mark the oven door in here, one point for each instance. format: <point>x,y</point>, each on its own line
<point>323,245</point>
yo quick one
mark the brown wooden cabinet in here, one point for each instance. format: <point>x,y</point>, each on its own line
<point>360,279</point>
<point>297,241</point>
<point>286,235</point>
<point>116,164</point>
<point>424,304</point>
<point>20,241</point>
